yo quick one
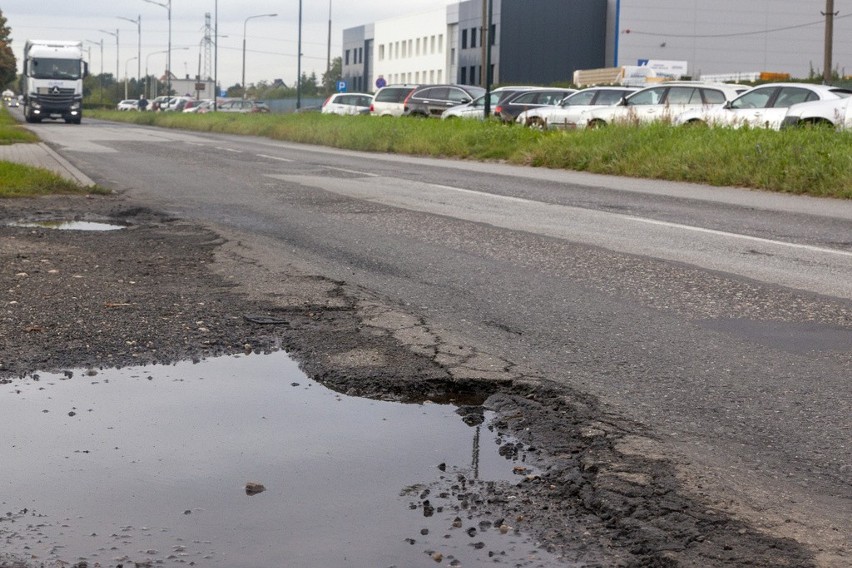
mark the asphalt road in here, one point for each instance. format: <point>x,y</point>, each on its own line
<point>721,318</point>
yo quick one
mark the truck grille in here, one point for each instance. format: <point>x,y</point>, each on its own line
<point>54,96</point>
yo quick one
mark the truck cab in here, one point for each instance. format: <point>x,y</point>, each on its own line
<point>52,80</point>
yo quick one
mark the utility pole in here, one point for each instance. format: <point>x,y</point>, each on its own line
<point>483,76</point>
<point>328,56</point>
<point>829,40</point>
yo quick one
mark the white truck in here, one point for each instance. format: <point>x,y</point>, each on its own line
<point>52,80</point>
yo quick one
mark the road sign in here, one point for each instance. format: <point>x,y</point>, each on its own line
<point>341,86</point>
<point>380,82</point>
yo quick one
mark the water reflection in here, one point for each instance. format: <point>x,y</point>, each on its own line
<point>69,225</point>
<point>152,463</point>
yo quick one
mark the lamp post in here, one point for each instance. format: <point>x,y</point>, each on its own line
<point>168,6</point>
<point>147,57</point>
<point>125,74</point>
<point>299,62</point>
<point>138,22</point>
<point>245,25</point>
<point>115,35</point>
<point>101,77</point>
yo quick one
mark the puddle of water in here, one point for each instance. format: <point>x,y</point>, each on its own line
<point>151,463</point>
<point>69,225</point>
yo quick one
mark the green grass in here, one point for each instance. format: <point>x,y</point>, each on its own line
<point>803,161</point>
<point>13,133</point>
<point>18,180</point>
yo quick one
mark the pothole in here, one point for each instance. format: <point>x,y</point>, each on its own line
<point>154,464</point>
<point>61,225</point>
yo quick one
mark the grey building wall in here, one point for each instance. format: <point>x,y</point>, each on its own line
<point>545,41</point>
<point>357,58</point>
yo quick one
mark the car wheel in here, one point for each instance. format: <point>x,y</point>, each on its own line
<point>597,123</point>
<point>695,123</point>
<point>537,123</point>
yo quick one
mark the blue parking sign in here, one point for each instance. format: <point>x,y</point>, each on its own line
<point>341,86</point>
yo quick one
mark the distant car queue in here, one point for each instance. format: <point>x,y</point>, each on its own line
<point>772,105</point>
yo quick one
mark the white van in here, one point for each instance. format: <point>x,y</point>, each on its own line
<point>389,101</point>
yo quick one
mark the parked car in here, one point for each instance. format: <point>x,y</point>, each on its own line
<point>764,106</point>
<point>127,104</point>
<point>529,99</point>
<point>198,106</point>
<point>835,113</point>
<point>476,108</point>
<point>175,104</point>
<point>241,106</point>
<point>568,113</point>
<point>347,103</point>
<point>157,102</point>
<point>664,102</point>
<point>390,100</point>
<point>432,100</point>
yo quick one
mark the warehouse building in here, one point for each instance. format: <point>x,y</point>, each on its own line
<point>545,41</point>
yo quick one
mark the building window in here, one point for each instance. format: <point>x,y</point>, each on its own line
<point>493,37</point>
<point>418,47</point>
<point>382,52</point>
<point>464,75</point>
<point>464,41</point>
<point>346,58</point>
<point>432,76</point>
<point>440,45</point>
<point>472,37</point>
<point>440,76</point>
<point>432,43</point>
<point>360,55</point>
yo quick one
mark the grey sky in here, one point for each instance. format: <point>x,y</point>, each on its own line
<point>270,42</point>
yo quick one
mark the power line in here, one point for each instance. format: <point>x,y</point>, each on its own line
<point>738,34</point>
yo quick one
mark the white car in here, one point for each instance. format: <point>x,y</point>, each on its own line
<point>347,103</point>
<point>128,104</point>
<point>836,113</point>
<point>663,102</point>
<point>569,113</point>
<point>764,106</point>
<point>476,108</point>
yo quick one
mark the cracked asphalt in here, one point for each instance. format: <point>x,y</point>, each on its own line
<point>164,290</point>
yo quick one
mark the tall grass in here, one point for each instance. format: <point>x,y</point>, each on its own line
<point>18,180</point>
<point>11,132</point>
<point>806,161</point>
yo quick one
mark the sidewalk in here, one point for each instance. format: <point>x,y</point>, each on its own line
<point>42,156</point>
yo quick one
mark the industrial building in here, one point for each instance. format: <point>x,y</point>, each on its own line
<point>545,41</point>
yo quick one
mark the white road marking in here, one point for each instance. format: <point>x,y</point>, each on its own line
<point>275,158</point>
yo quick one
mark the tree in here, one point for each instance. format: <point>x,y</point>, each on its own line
<point>8,63</point>
<point>309,84</point>
<point>332,76</point>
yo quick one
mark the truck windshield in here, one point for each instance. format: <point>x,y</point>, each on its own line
<point>55,68</point>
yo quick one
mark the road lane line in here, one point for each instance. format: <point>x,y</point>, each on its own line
<point>275,158</point>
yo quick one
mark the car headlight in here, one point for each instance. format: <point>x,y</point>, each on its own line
<point>75,105</point>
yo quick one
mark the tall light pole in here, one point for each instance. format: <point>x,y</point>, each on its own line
<point>245,25</point>
<point>101,77</point>
<point>115,35</point>
<point>138,22</point>
<point>299,62</point>
<point>125,74</point>
<point>168,6</point>
<point>328,53</point>
<point>147,57</point>
<point>216,57</point>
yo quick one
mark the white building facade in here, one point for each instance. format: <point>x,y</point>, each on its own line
<point>545,41</point>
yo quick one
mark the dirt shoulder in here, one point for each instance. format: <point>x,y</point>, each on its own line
<point>163,290</point>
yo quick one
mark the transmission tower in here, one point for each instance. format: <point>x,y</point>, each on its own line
<point>207,50</point>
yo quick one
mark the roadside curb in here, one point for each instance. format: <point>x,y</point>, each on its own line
<point>43,156</point>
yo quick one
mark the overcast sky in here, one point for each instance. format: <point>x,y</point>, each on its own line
<point>270,42</point>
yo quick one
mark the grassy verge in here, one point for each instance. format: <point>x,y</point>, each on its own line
<point>18,180</point>
<point>807,161</point>
<point>11,132</point>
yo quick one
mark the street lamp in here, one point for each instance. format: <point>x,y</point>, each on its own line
<point>125,74</point>
<point>299,62</point>
<point>245,24</point>
<point>138,22</point>
<point>115,35</point>
<point>168,6</point>
<point>147,58</point>
<point>101,77</point>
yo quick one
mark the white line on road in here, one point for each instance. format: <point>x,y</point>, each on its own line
<point>229,150</point>
<point>665,224</point>
<point>275,158</point>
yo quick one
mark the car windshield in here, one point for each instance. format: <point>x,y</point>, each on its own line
<point>44,68</point>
